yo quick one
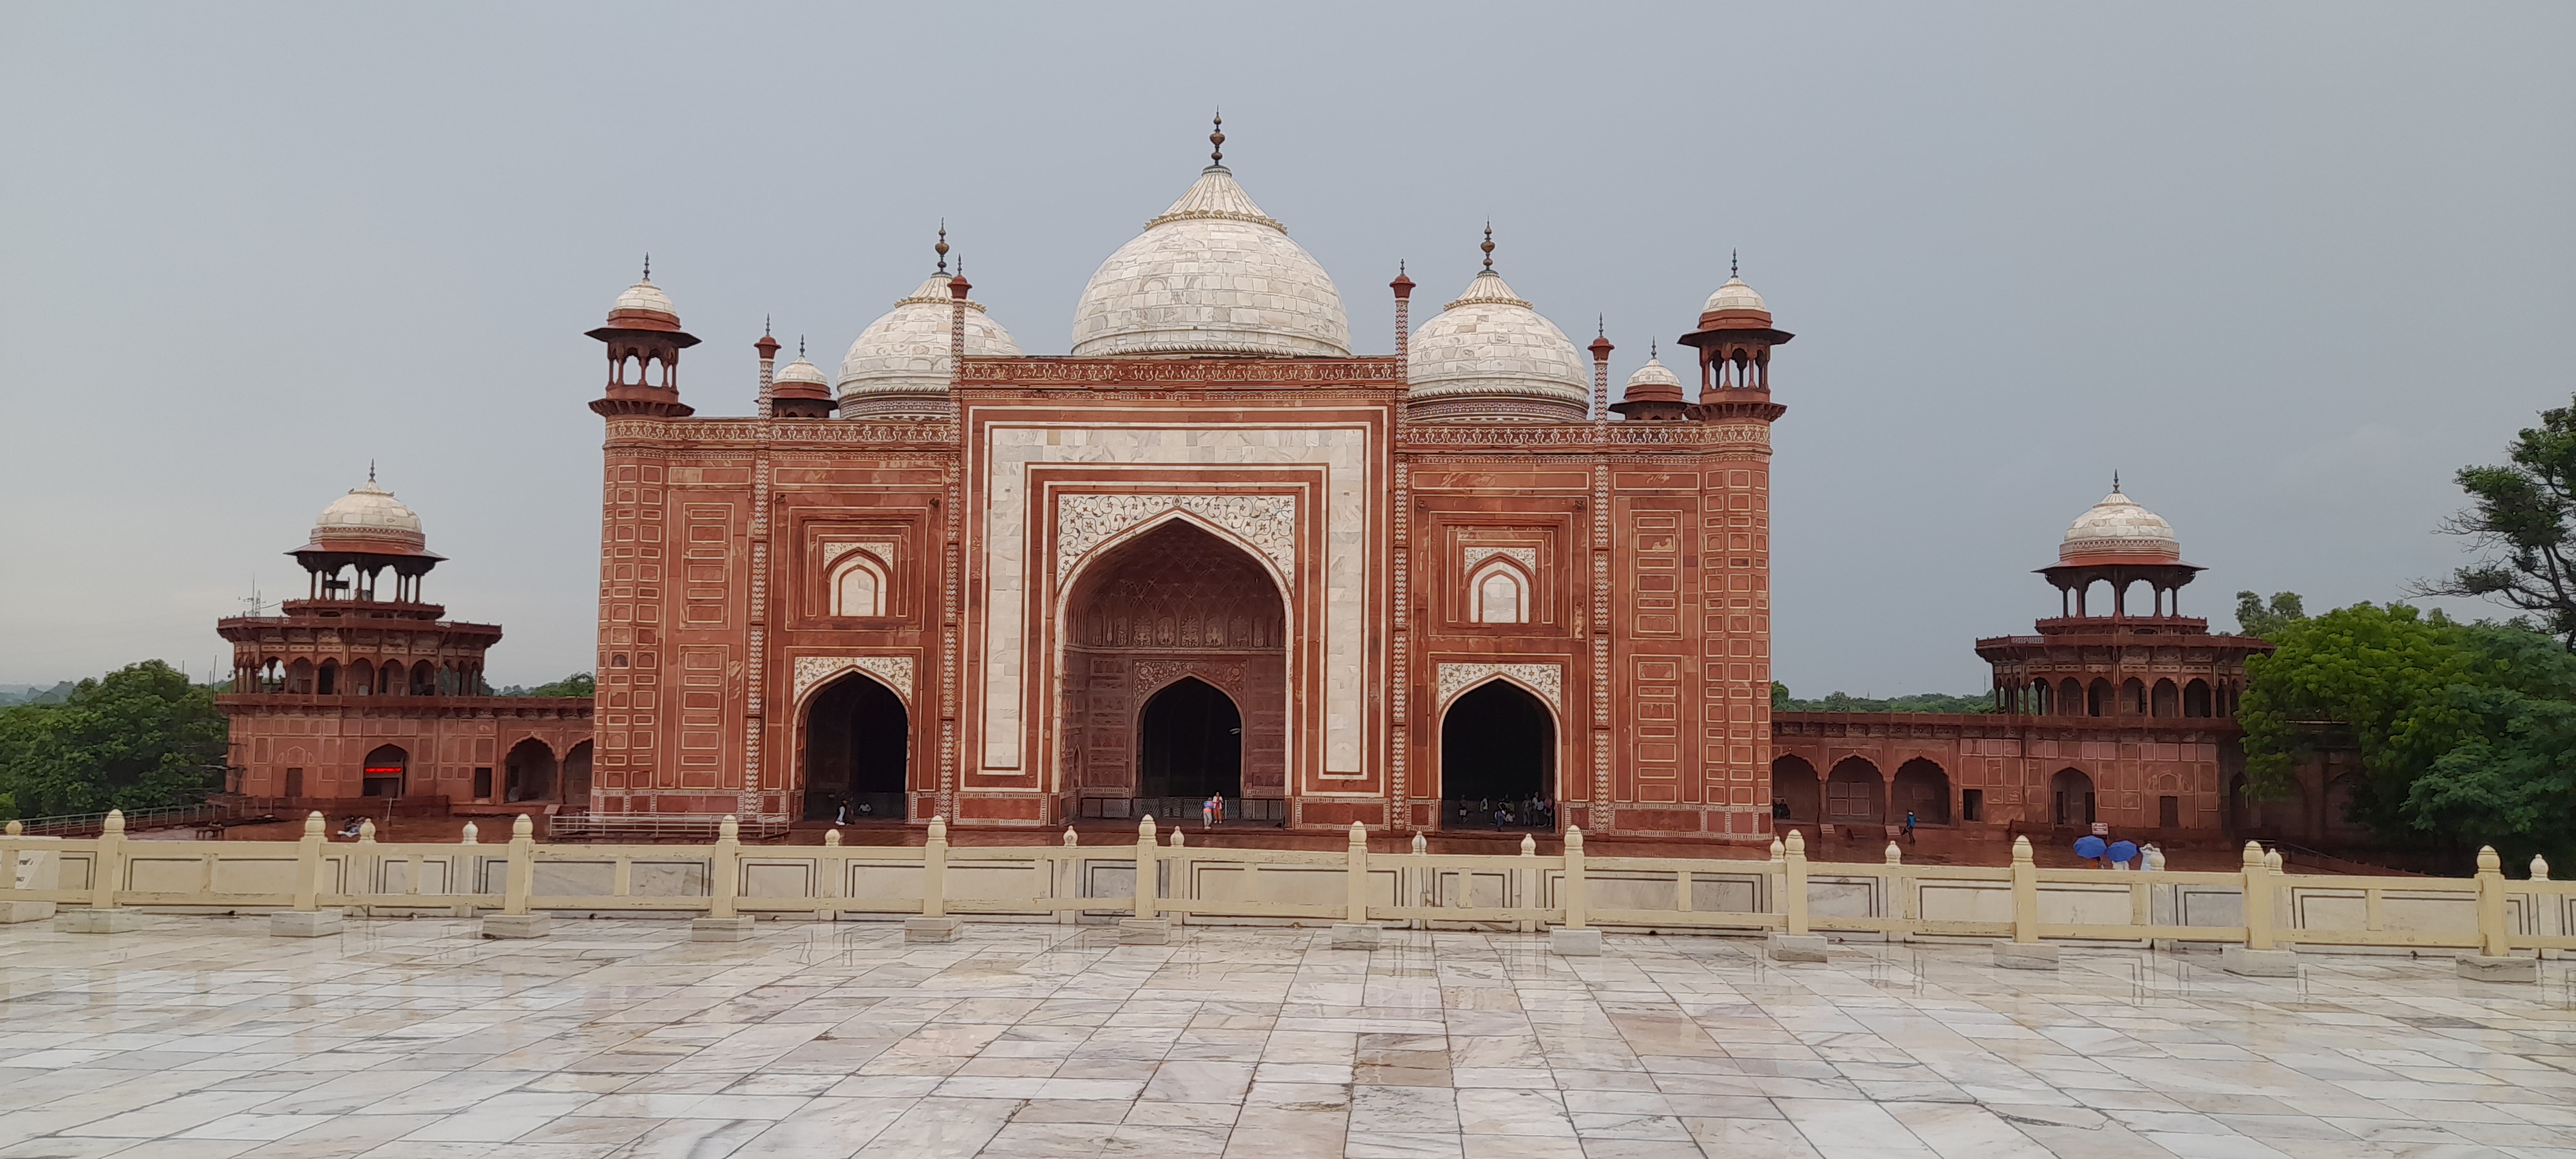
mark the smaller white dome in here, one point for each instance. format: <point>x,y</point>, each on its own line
<point>2118,526</point>
<point>370,506</point>
<point>904,353</point>
<point>800,371</point>
<point>644,295</point>
<point>1734,295</point>
<point>1654,373</point>
<point>1490,343</point>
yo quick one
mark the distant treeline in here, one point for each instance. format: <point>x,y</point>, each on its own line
<point>1781,701</point>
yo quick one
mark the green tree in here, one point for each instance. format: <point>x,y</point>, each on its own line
<point>579,684</point>
<point>2523,514</point>
<point>1779,697</point>
<point>2254,619</point>
<point>140,737</point>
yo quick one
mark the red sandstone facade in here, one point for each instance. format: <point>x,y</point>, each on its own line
<point>1018,578</point>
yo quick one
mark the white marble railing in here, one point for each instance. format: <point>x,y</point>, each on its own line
<point>1797,901</point>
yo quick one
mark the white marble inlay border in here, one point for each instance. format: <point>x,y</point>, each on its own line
<point>896,671</point>
<point>1547,679</point>
<point>833,551</point>
<point>1341,528</point>
<point>1267,522</point>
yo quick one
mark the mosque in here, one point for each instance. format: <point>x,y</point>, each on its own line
<point>1214,551</point>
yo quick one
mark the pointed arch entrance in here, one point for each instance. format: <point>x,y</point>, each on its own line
<point>1497,759</point>
<point>1189,743</point>
<point>1175,641</point>
<point>858,741</point>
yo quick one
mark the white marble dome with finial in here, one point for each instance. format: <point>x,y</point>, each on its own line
<point>801,371</point>
<point>369,515</point>
<point>1655,374</point>
<point>1211,275</point>
<point>899,365</point>
<point>2117,526</point>
<point>1491,345</point>
<point>1734,295</point>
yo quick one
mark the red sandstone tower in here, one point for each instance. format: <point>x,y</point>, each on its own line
<point>360,693</point>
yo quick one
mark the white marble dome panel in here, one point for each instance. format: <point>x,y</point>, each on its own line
<point>1211,275</point>
<point>644,295</point>
<point>2118,526</point>
<point>1491,342</point>
<point>368,507</point>
<point>1734,295</point>
<point>906,350</point>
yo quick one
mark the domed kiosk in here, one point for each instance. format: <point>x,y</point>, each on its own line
<point>899,366</point>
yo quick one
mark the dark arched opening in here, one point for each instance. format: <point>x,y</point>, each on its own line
<point>2097,699</point>
<point>383,772</point>
<point>1922,789</point>
<point>1189,743</point>
<point>528,772</point>
<point>1855,794</point>
<point>2071,795</point>
<point>2167,700</point>
<point>857,741</point>
<point>576,776</point>
<point>2195,698</point>
<point>1497,757</point>
<point>1795,793</point>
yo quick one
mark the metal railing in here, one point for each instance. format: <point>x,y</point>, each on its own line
<point>2259,907</point>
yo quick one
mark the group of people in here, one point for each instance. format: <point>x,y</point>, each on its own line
<point>1532,811</point>
<point>1780,813</point>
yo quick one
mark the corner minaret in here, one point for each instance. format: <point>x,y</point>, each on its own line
<point>644,342</point>
<point>1734,339</point>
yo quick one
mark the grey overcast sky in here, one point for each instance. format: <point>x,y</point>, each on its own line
<point>2286,267</point>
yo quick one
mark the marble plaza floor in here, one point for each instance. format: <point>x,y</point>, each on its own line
<point>205,1038</point>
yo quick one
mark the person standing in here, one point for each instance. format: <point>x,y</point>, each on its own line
<point>1207,812</point>
<point>1909,825</point>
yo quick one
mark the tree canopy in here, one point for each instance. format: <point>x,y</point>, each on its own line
<point>2467,732</point>
<point>579,684</point>
<point>2253,618</point>
<point>140,737</point>
<point>2522,513</point>
<point>1781,701</point>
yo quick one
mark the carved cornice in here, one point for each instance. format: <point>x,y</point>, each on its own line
<point>1584,436</point>
<point>1231,371</point>
<point>787,434</point>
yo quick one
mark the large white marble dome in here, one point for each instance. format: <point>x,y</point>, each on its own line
<point>899,365</point>
<point>1211,275</point>
<point>1491,355</point>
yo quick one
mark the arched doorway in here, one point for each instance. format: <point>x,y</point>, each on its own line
<point>2070,794</point>
<point>528,772</point>
<point>1796,792</point>
<point>1497,759</point>
<point>857,744</point>
<point>383,772</point>
<point>1173,605</point>
<point>1189,744</point>
<point>1922,789</point>
<point>1855,794</point>
<point>576,776</point>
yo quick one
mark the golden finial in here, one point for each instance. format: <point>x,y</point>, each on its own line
<point>942,248</point>
<point>1488,247</point>
<point>1216,141</point>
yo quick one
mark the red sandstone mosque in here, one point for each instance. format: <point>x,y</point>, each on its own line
<point>1213,551</point>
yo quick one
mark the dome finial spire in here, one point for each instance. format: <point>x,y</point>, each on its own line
<point>942,248</point>
<point>371,472</point>
<point>1732,262</point>
<point>764,325</point>
<point>648,265</point>
<point>1216,142</point>
<point>2115,480</point>
<point>800,348</point>
<point>1488,247</point>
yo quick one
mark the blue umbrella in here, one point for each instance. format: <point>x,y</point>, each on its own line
<point>2124,851</point>
<point>2089,846</point>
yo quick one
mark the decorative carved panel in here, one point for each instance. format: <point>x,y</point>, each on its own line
<point>895,671</point>
<point>1548,680</point>
<point>1267,522</point>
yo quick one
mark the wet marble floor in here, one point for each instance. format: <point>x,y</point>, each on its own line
<point>206,1038</point>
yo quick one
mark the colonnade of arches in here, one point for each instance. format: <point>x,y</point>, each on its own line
<point>361,676</point>
<point>1855,792</point>
<point>2067,696</point>
<point>357,581</point>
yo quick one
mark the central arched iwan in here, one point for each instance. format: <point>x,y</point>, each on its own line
<point>1173,603</point>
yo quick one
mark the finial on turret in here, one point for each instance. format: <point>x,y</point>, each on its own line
<point>1731,262</point>
<point>764,325</point>
<point>1651,352</point>
<point>1216,141</point>
<point>2115,480</point>
<point>800,348</point>
<point>648,265</point>
<point>942,248</point>
<point>371,472</point>
<point>1488,247</point>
